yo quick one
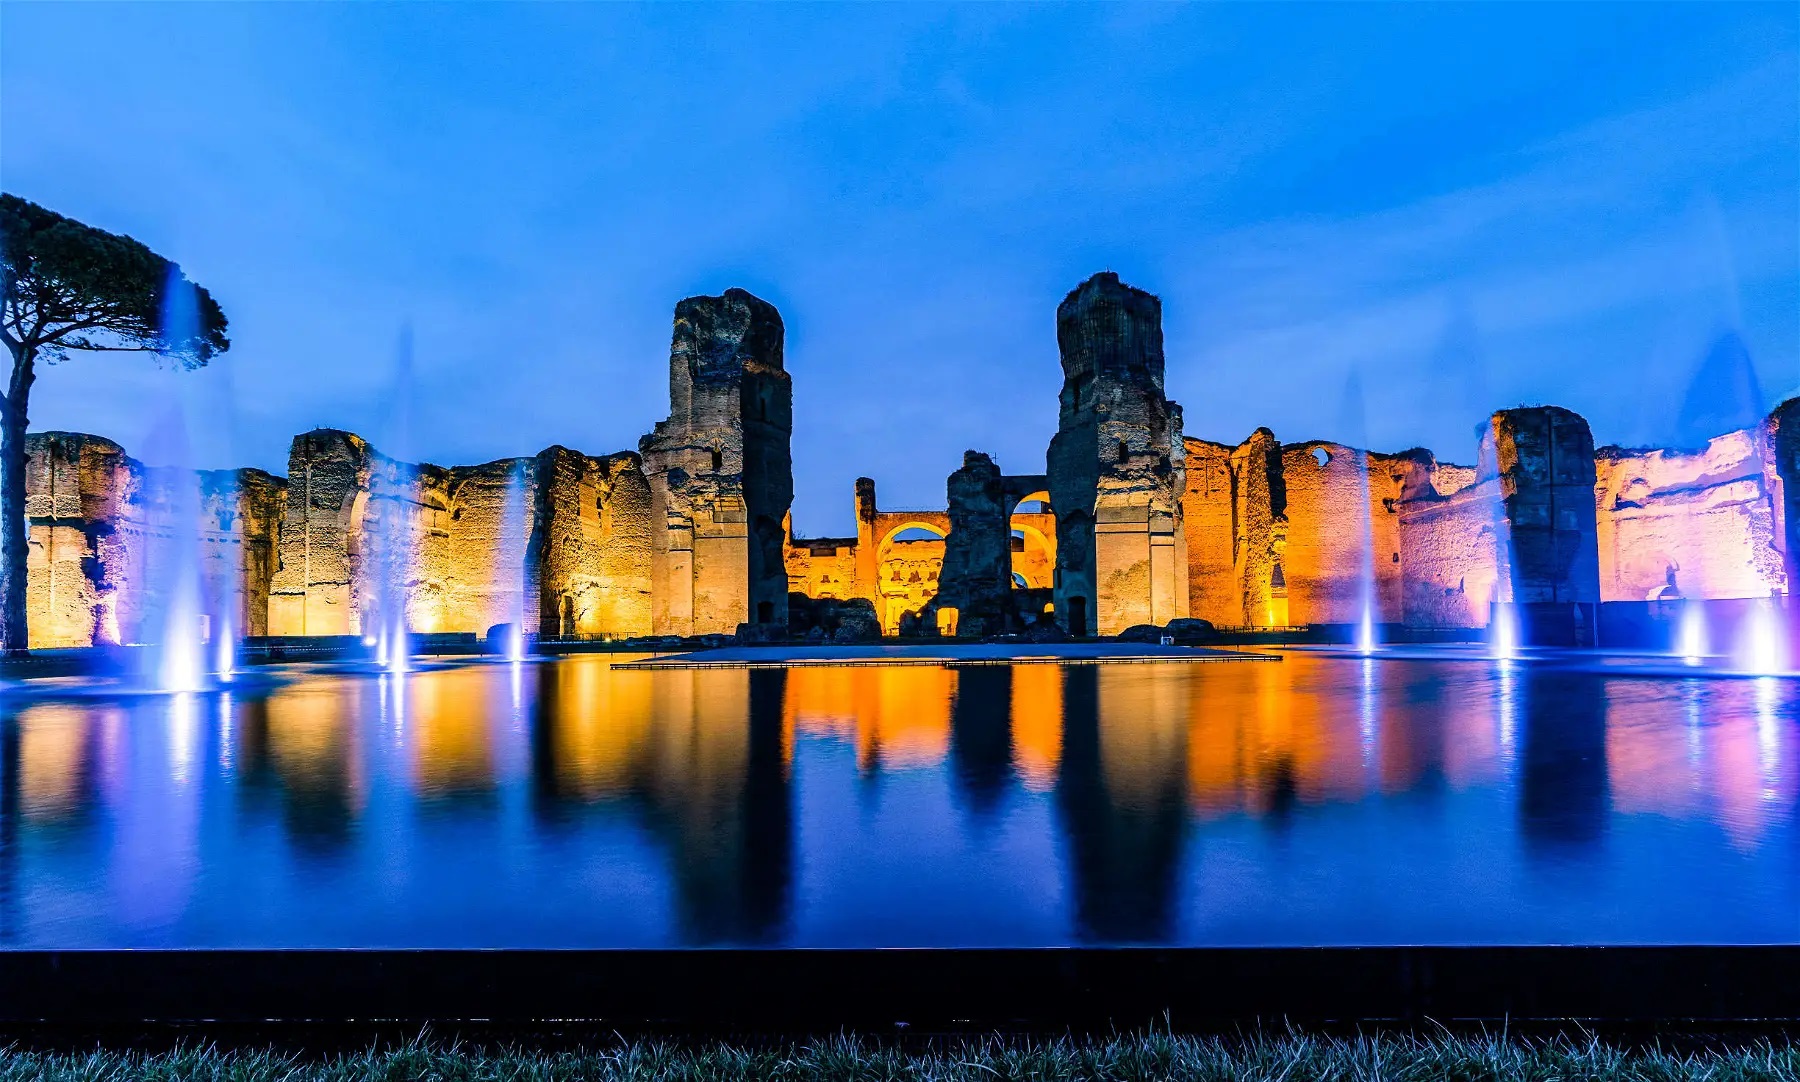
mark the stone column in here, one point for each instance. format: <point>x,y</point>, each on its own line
<point>1545,536</point>
<point>1115,473</point>
<point>721,470</point>
<point>868,560</point>
<point>976,579</point>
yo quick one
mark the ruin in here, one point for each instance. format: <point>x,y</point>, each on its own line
<point>975,581</point>
<point>1131,523</point>
<point>1115,467</point>
<point>721,471</point>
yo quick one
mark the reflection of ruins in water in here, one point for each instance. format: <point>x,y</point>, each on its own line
<point>1564,790</point>
<point>300,750</point>
<point>703,761</point>
<point>1121,794</point>
<point>1135,769</point>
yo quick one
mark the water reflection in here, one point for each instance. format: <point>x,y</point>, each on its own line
<point>700,760</point>
<point>573,804</point>
<point>1121,794</point>
<point>1564,785</point>
<point>300,753</point>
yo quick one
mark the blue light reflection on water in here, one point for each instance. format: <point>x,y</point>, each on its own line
<point>562,803</point>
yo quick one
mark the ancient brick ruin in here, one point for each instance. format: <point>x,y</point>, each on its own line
<point>1130,523</point>
<point>721,473</point>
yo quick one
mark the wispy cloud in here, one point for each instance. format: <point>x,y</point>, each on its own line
<point>1611,222</point>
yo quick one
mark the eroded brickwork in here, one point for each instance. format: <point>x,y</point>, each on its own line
<point>1116,465</point>
<point>720,470</point>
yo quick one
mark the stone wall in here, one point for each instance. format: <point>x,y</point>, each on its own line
<point>320,549</point>
<point>1698,523</point>
<point>560,543</point>
<point>1450,576</point>
<point>592,545</point>
<point>1209,525</point>
<point>824,567</point>
<point>1115,466</point>
<point>475,526</point>
<point>720,470</point>
<point>78,490</point>
<point>1259,537</point>
<point>241,514</point>
<point>104,531</point>
<point>1343,533</point>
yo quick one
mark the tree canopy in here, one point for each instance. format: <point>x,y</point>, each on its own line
<point>69,286</point>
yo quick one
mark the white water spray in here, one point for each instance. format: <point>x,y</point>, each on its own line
<point>517,513</point>
<point>1762,646</point>
<point>1690,634</point>
<point>1503,633</point>
<point>1355,426</point>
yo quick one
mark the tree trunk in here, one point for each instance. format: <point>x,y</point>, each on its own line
<point>14,628</point>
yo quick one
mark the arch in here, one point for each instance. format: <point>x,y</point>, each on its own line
<point>1041,497</point>
<point>889,535</point>
<point>1033,556</point>
<point>906,577</point>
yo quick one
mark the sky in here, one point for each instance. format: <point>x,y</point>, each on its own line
<point>1364,222</point>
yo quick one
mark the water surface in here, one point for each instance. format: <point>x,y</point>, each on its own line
<point>564,803</point>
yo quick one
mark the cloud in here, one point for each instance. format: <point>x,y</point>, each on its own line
<point>1596,226</point>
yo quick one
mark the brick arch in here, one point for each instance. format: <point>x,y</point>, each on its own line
<point>889,523</point>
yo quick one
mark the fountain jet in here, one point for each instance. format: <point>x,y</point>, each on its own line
<point>517,511</point>
<point>1690,634</point>
<point>1503,632</point>
<point>1762,646</point>
<point>1354,425</point>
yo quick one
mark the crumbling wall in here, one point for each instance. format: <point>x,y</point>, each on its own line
<point>105,531</point>
<point>1697,523</point>
<point>976,576</point>
<point>77,493</point>
<point>1784,479</point>
<point>1343,540</point>
<point>1260,534</point>
<point>241,515</point>
<point>1115,466</point>
<point>557,542</point>
<point>721,471</point>
<point>313,591</point>
<point>592,544</point>
<point>823,567</point>
<point>1450,575</point>
<point>1208,522</point>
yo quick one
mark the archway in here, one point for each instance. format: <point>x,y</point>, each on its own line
<point>1033,525</point>
<point>908,560</point>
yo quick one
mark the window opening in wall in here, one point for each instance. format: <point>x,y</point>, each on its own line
<point>765,612</point>
<point>718,460</point>
<point>1321,456</point>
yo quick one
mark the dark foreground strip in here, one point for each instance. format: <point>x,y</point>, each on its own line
<point>1286,1055</point>
<point>938,989</point>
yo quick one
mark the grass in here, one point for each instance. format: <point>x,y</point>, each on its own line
<point>1150,1057</point>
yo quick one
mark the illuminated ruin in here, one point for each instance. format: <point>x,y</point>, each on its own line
<point>1130,523</point>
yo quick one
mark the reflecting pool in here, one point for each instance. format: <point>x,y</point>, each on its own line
<point>1320,800</point>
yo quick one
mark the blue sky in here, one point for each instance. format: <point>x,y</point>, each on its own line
<point>1457,207</point>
